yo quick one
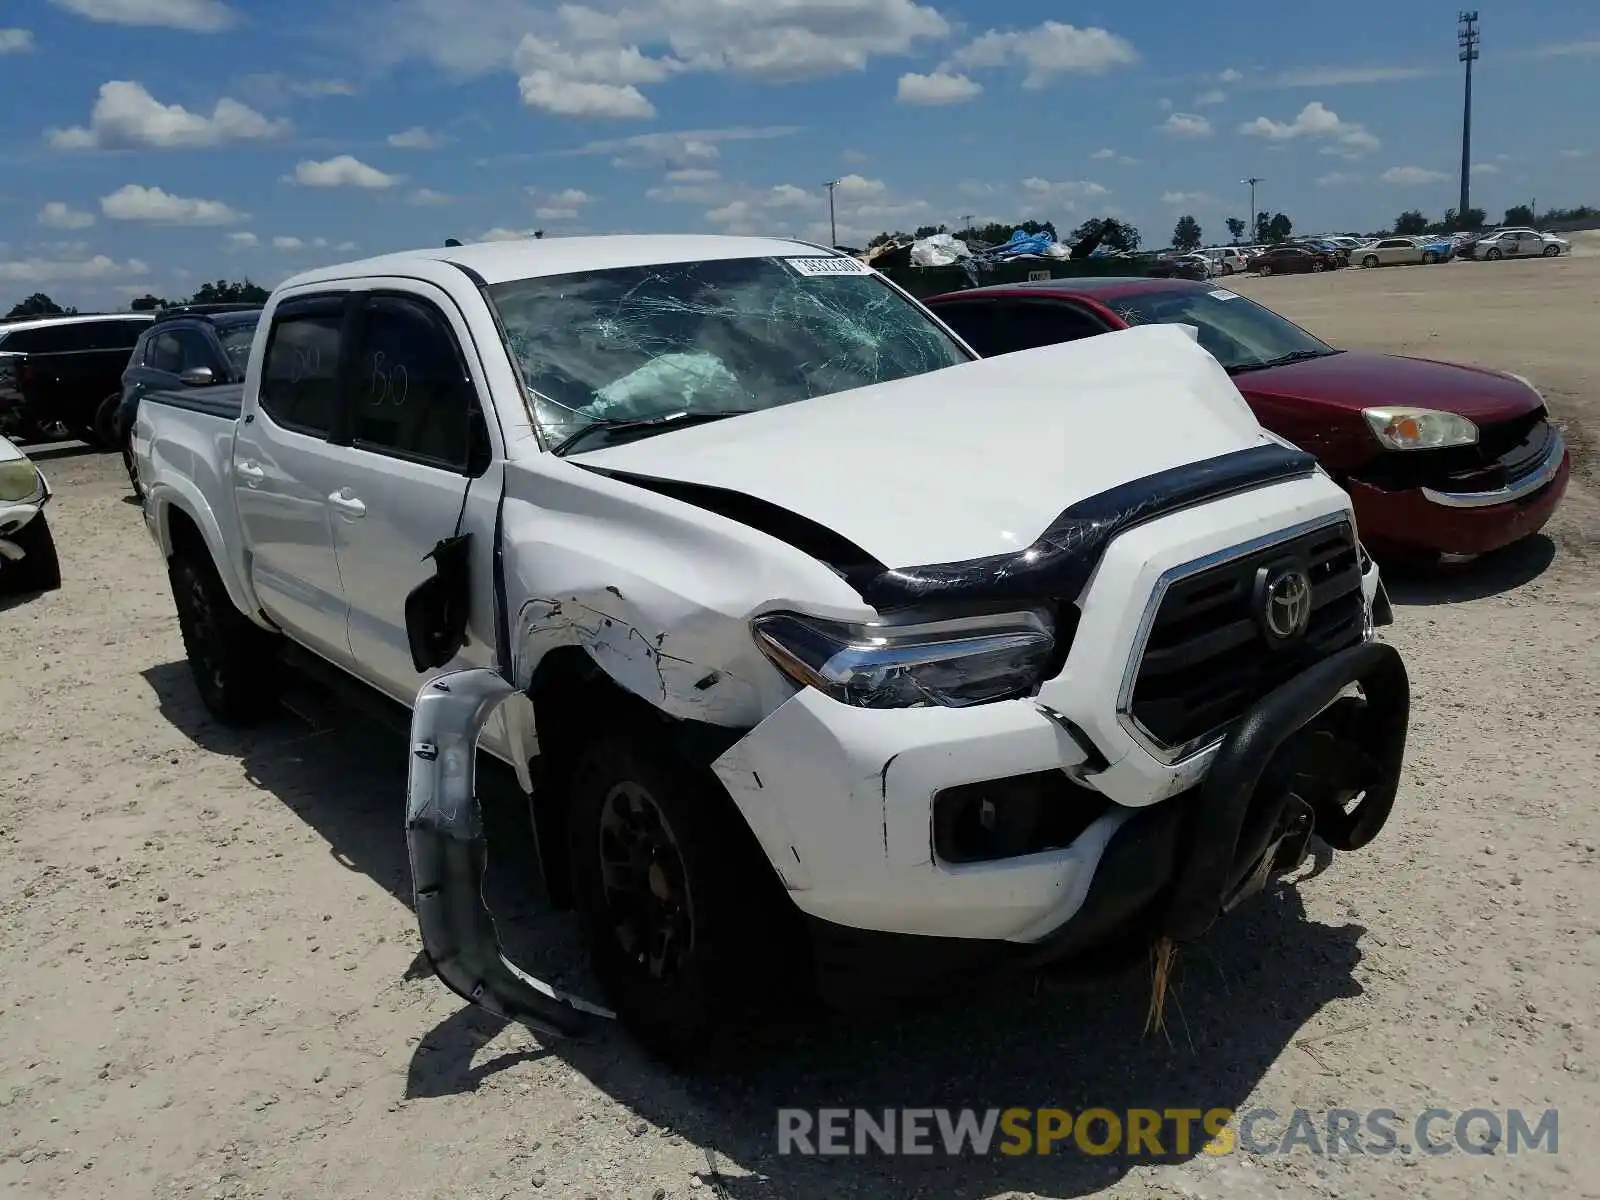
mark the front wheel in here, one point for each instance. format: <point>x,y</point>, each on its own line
<point>683,930</point>
<point>1429,259</point>
<point>233,660</point>
<point>105,420</point>
<point>1494,255</point>
<point>1552,251</point>
<point>1264,270</point>
<point>1370,260</point>
<point>1319,266</point>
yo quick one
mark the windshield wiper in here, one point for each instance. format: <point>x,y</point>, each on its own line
<point>1292,356</point>
<point>635,424</point>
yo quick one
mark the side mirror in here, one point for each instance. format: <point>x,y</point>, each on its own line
<point>198,377</point>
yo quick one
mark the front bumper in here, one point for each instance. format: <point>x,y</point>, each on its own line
<point>1426,520</point>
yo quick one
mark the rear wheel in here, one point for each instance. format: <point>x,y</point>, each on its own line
<point>1264,269</point>
<point>1552,251</point>
<point>1494,254</point>
<point>1370,260</point>
<point>683,927</point>
<point>1318,265</point>
<point>1430,258</point>
<point>233,660</point>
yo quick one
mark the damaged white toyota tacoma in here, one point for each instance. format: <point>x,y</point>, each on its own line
<point>824,651</point>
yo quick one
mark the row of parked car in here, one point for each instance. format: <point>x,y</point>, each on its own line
<point>1331,253</point>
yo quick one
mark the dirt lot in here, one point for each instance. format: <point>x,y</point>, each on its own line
<point>211,989</point>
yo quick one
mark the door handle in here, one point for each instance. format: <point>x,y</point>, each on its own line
<point>348,503</point>
<point>250,471</point>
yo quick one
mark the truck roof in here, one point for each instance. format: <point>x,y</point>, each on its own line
<point>500,262</point>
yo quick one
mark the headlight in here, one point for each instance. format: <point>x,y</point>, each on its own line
<point>20,481</point>
<point>1419,428</point>
<point>954,663</point>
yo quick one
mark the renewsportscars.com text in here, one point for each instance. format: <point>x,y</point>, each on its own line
<point>1163,1132</point>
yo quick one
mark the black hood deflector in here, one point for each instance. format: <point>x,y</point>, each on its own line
<point>1055,567</point>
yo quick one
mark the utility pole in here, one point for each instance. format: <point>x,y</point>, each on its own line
<point>1251,231</point>
<point>833,224</point>
<point>1467,37</point>
<point>966,222</point>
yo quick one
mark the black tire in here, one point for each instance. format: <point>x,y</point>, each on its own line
<point>1370,260</point>
<point>233,660</point>
<point>1494,254</point>
<point>1552,251</point>
<point>727,962</point>
<point>133,471</point>
<point>1429,259</point>
<point>1264,270</point>
<point>105,421</point>
<point>39,569</point>
<point>1318,265</point>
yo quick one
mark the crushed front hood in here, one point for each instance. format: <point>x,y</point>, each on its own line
<point>973,460</point>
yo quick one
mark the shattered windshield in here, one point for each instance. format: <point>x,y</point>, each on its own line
<point>605,349</point>
<point>1239,333</point>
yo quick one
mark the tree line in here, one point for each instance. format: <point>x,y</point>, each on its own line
<point>223,291</point>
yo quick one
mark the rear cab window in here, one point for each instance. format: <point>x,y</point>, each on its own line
<point>300,375</point>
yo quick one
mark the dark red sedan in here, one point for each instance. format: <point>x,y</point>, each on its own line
<point>1438,458</point>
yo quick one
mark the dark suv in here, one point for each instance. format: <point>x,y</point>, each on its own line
<point>194,346</point>
<point>60,375</point>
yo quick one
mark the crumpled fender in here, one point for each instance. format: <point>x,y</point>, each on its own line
<point>445,840</point>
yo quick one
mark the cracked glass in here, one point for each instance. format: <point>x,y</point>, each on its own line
<point>635,348</point>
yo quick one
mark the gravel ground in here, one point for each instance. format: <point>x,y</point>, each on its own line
<point>212,989</point>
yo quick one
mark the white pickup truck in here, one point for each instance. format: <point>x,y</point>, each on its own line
<point>823,650</point>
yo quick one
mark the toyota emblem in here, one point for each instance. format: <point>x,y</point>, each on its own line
<point>1285,602</point>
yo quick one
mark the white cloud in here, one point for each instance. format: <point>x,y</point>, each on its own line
<point>862,207</point>
<point>1189,199</point>
<point>428,198</point>
<point>1164,104</point>
<point>37,270</point>
<point>1048,50</point>
<point>126,116</point>
<point>1317,122</point>
<point>854,157</point>
<point>1066,191</point>
<point>287,243</point>
<point>1337,179</point>
<point>683,148</point>
<point>499,234</point>
<point>693,175</point>
<point>978,189</point>
<point>154,206</point>
<point>1212,97</point>
<point>341,171</point>
<point>1574,154</point>
<point>1230,76</point>
<point>196,16</point>
<point>16,41</point>
<point>58,215</point>
<point>1344,76</point>
<point>242,240</point>
<point>1413,176</point>
<point>565,205</point>
<point>1568,50</point>
<point>416,138</point>
<point>345,246</point>
<point>1104,155</point>
<point>1484,168</point>
<point>1186,125</point>
<point>592,60</point>
<point>273,88</point>
<point>938,88</point>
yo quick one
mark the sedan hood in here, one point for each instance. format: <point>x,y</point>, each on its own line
<point>972,460</point>
<point>1354,380</point>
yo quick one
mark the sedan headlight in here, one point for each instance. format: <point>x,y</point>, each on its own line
<point>954,663</point>
<point>20,482</point>
<point>1419,428</point>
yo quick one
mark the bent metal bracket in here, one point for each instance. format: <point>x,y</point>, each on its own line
<point>444,835</point>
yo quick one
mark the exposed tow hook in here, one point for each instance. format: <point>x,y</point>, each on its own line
<point>444,835</point>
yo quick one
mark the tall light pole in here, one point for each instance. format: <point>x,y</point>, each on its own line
<point>833,224</point>
<point>1467,37</point>
<point>1252,181</point>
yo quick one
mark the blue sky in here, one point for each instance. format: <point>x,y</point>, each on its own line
<point>152,144</point>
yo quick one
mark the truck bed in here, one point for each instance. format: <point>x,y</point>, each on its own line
<point>225,400</point>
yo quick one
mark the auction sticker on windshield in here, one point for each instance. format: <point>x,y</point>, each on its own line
<point>837,265</point>
<point>1219,294</point>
